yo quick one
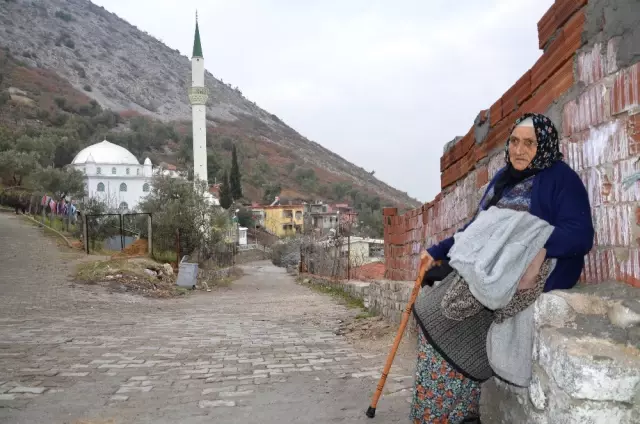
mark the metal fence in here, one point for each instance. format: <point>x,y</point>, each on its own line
<point>211,255</point>
<point>116,232</point>
<point>337,256</point>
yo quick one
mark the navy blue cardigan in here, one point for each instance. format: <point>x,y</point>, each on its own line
<point>559,197</point>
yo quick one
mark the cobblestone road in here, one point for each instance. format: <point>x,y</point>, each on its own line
<point>261,351</point>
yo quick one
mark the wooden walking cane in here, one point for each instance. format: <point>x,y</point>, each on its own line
<point>371,412</point>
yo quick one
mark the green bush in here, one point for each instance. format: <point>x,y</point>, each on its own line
<point>65,16</point>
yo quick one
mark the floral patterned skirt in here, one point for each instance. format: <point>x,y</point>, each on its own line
<point>442,395</point>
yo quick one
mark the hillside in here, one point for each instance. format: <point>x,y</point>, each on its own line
<point>72,61</point>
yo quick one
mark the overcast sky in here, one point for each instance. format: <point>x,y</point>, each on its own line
<point>385,84</point>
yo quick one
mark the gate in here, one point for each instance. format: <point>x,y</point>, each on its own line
<point>115,232</point>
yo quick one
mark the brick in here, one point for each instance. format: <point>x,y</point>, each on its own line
<point>573,33</point>
<point>482,176</point>
<point>633,131</point>
<point>625,94</point>
<point>559,51</point>
<point>495,112</point>
<point>509,100</point>
<point>459,169</point>
<point>551,90</point>
<point>523,88</point>
<point>389,211</point>
<point>565,9</point>
<point>600,265</point>
<point>497,136</point>
<point>600,61</point>
<point>588,110</point>
<point>628,270</point>
<point>547,26</point>
<point>612,224</point>
<point>460,149</point>
<point>517,94</point>
<point>591,65</point>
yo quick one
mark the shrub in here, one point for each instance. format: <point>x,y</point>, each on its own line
<point>61,102</point>
<point>286,253</point>
<point>87,87</point>
<point>4,98</point>
<point>67,17</point>
<point>80,70</point>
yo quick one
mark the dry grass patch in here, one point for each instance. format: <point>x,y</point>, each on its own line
<point>137,275</point>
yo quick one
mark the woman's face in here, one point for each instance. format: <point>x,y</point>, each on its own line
<point>523,146</point>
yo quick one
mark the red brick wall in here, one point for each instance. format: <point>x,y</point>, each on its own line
<point>598,114</point>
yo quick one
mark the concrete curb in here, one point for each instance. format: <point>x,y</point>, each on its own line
<point>66,240</point>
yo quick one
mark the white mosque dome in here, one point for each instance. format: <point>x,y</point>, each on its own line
<point>105,152</point>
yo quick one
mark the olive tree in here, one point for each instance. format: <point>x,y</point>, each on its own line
<point>178,206</point>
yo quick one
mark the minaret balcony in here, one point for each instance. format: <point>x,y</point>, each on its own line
<point>198,95</point>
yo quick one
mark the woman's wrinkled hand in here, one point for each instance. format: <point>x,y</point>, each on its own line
<point>427,261</point>
<point>530,276</point>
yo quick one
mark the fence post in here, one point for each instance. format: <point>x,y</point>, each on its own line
<point>121,232</point>
<point>85,231</point>
<point>349,256</point>
<point>150,233</point>
<point>178,253</point>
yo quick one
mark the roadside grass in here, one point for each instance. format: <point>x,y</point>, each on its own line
<point>340,295</point>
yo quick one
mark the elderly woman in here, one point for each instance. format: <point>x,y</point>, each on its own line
<point>535,180</point>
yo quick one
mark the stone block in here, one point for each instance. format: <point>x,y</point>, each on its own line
<point>586,367</point>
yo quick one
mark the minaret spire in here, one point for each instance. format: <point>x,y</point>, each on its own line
<point>197,46</point>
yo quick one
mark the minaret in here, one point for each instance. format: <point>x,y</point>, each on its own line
<point>198,95</point>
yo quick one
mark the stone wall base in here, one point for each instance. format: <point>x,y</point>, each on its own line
<point>586,353</point>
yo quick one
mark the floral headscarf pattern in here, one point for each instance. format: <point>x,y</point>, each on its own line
<point>548,144</point>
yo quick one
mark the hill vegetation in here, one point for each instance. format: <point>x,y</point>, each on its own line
<point>73,74</point>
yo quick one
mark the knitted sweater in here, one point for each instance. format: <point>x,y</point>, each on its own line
<point>559,197</point>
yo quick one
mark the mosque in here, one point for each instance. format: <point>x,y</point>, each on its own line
<point>115,176</point>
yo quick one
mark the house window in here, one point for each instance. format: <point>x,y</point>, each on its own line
<point>113,170</point>
<point>145,187</point>
<point>287,213</point>
<point>127,171</point>
<point>123,187</point>
<point>138,171</point>
<point>298,215</point>
<point>84,170</point>
<point>98,170</point>
<point>123,206</point>
<point>100,186</point>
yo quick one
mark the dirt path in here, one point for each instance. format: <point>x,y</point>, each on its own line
<point>263,350</point>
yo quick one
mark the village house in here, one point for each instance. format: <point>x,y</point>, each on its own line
<point>284,220</point>
<point>362,251</point>
<point>322,217</point>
